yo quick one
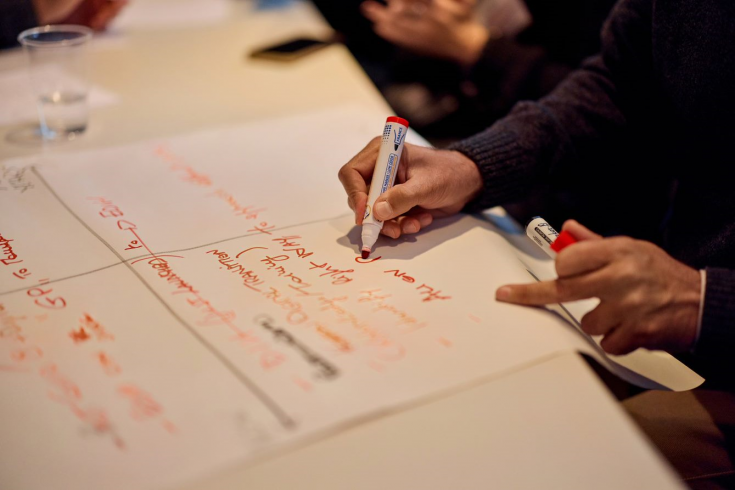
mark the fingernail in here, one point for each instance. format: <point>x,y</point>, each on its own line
<point>383,210</point>
<point>503,293</point>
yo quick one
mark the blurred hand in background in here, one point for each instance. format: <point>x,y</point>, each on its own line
<point>96,14</point>
<point>444,29</point>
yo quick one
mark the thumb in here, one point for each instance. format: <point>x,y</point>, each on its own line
<point>397,200</point>
<point>579,231</point>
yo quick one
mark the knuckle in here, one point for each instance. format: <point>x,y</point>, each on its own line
<point>634,299</point>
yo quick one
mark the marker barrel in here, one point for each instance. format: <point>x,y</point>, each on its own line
<point>541,232</point>
<point>384,175</point>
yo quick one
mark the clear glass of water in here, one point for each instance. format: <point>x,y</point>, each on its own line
<point>59,69</point>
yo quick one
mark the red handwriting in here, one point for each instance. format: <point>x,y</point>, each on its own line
<point>9,327</point>
<point>253,344</point>
<point>88,325</point>
<point>133,245</point>
<point>109,366</point>
<point>360,260</point>
<point>427,291</point>
<point>387,349</point>
<point>211,315</point>
<point>177,164</point>
<point>295,281</point>
<point>7,250</point>
<point>379,302</point>
<point>92,325</point>
<point>79,336</point>
<point>29,354</point>
<point>338,276</point>
<point>143,406</point>
<point>289,245</point>
<point>295,314</point>
<point>263,227</point>
<point>335,339</point>
<point>402,275</point>
<point>249,278</point>
<point>444,342</point>
<point>430,293</point>
<point>109,209</point>
<point>22,273</point>
<point>247,212</point>
<point>44,299</point>
<point>66,392</point>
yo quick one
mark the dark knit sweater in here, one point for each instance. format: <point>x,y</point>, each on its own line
<point>657,103</point>
<point>530,64</point>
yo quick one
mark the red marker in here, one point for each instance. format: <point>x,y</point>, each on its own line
<point>547,237</point>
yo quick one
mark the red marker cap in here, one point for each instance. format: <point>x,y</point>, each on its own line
<point>562,241</point>
<point>398,120</point>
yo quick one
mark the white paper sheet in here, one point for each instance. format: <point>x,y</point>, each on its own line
<point>172,307</point>
<point>19,104</point>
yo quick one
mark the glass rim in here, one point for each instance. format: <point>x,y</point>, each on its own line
<point>86,35</point>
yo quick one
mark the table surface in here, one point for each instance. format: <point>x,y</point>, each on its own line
<point>549,425</point>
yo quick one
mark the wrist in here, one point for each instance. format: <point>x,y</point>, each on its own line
<point>471,178</point>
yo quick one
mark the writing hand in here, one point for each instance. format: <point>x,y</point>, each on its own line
<point>430,183</point>
<point>647,298</point>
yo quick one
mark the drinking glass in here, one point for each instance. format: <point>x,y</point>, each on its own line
<point>59,71</point>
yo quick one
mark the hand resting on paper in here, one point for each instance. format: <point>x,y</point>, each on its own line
<point>647,298</point>
<point>430,183</point>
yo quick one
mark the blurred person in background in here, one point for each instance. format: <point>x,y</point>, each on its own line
<point>486,55</point>
<point>19,15</point>
<point>480,56</point>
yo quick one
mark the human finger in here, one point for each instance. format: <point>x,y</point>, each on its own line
<point>549,292</point>
<point>619,342</point>
<point>398,200</point>
<point>600,320</point>
<point>584,257</point>
<point>391,228</point>
<point>356,189</point>
<point>354,176</point>
<point>374,11</point>
<point>408,224</point>
<point>579,231</point>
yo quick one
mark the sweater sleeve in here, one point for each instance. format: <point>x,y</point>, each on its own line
<point>717,334</point>
<point>15,17</point>
<point>583,118</point>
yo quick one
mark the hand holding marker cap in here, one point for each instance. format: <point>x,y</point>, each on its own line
<point>386,168</point>
<point>547,237</point>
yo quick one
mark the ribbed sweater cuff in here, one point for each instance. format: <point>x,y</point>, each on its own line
<point>499,158</point>
<point>717,337</point>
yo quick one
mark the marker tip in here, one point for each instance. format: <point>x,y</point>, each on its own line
<point>365,253</point>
